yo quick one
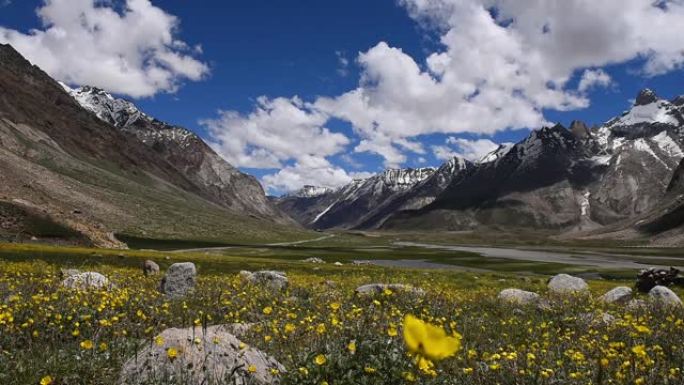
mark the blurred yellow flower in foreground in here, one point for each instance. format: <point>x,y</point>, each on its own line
<point>429,340</point>
<point>86,345</point>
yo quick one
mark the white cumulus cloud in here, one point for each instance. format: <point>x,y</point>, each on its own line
<point>279,131</point>
<point>472,150</point>
<point>133,51</point>
<point>594,78</point>
<point>500,64</point>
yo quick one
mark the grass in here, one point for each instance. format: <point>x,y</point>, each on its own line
<point>137,242</point>
<point>29,223</point>
<point>64,337</point>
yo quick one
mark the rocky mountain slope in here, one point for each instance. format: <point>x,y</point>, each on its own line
<point>576,180</point>
<point>61,162</point>
<point>218,181</point>
<point>624,174</point>
<point>352,205</point>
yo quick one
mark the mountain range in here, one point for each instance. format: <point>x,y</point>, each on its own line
<point>83,163</point>
<point>620,179</point>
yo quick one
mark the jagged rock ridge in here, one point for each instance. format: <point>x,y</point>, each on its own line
<point>349,205</point>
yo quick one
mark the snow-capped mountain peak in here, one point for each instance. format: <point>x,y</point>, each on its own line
<point>406,177</point>
<point>453,165</point>
<point>678,101</point>
<point>648,109</point>
<point>497,154</point>
<point>117,112</point>
<point>309,191</point>
<point>646,96</point>
<point>125,115</point>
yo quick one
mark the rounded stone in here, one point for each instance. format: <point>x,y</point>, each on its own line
<point>179,280</point>
<point>518,297</point>
<point>567,284</point>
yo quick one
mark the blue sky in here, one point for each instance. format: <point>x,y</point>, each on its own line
<point>309,49</point>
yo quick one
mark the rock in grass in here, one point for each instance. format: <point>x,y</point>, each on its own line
<point>273,280</point>
<point>150,268</point>
<point>664,296</point>
<point>567,284</point>
<point>596,319</point>
<point>636,305</point>
<point>378,288</point>
<point>314,260</point>
<point>87,281</point>
<point>620,295</point>
<point>179,280</point>
<point>211,356</point>
<point>518,297</point>
<point>66,273</point>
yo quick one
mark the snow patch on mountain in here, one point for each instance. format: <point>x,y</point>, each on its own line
<point>309,191</point>
<point>601,160</point>
<point>656,112</point>
<point>405,178</point>
<point>322,213</point>
<point>641,145</point>
<point>497,154</point>
<point>668,145</point>
<point>584,204</point>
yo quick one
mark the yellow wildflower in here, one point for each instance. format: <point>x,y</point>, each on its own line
<point>320,360</point>
<point>86,345</point>
<point>429,340</point>
<point>172,353</point>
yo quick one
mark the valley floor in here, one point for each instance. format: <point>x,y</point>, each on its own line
<point>320,330</point>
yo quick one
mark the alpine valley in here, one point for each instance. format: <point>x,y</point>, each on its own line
<point>82,165</point>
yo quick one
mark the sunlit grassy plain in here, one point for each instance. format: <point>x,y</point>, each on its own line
<point>48,333</point>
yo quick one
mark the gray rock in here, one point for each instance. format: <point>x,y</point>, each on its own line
<point>179,280</point>
<point>66,273</point>
<point>664,296</point>
<point>636,305</point>
<point>87,281</point>
<point>518,297</point>
<point>314,260</point>
<point>378,288</point>
<point>596,319</point>
<point>337,263</point>
<point>545,304</point>
<point>238,330</point>
<point>150,268</point>
<point>274,280</point>
<point>606,318</point>
<point>620,295</point>
<point>567,284</point>
<point>212,356</point>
